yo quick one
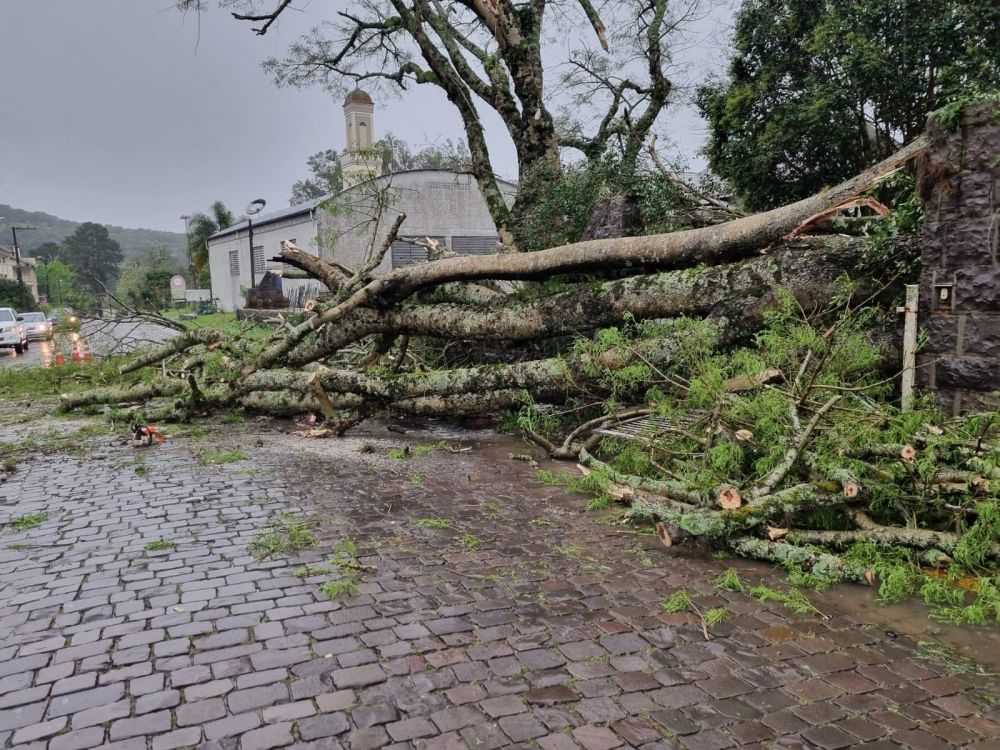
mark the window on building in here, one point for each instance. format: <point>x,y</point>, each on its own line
<point>234,262</point>
<point>405,254</point>
<point>474,245</point>
<point>258,259</point>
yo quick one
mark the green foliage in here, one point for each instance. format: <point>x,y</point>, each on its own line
<point>808,579</point>
<point>416,479</point>
<point>819,89</point>
<point>948,117</point>
<point>336,589</point>
<point>679,601</point>
<point>283,535</point>
<point>27,521</point>
<point>160,545</point>
<point>433,523</point>
<point>562,204</point>
<point>715,616</point>
<point>793,599</point>
<point>201,226</point>
<point>14,295</point>
<point>93,256</point>
<point>144,281</point>
<point>208,456</point>
<point>327,178</point>
<point>470,541</point>
<point>977,543</point>
<point>730,581</point>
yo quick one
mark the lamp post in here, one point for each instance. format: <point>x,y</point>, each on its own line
<point>252,210</point>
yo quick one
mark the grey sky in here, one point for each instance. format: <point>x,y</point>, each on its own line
<point>126,112</point>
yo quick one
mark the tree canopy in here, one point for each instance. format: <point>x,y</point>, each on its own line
<point>396,155</point>
<point>817,89</point>
<point>201,226</point>
<point>488,55</point>
<point>93,256</point>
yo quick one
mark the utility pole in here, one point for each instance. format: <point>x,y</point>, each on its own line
<point>17,253</point>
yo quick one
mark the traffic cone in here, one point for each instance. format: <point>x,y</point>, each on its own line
<point>60,359</point>
<point>76,352</point>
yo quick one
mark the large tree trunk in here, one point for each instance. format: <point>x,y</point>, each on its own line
<point>740,292</point>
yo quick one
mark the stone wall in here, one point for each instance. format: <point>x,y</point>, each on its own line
<point>960,282</point>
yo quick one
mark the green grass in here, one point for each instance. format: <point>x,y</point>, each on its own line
<point>540,522</point>
<point>28,521</point>
<point>337,589</point>
<point>399,453</point>
<point>284,535</point>
<point>433,523</point>
<point>42,382</point>
<point>416,479</point>
<point>470,541</point>
<point>159,544</point>
<point>212,457</point>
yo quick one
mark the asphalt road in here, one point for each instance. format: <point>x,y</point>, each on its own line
<point>103,337</point>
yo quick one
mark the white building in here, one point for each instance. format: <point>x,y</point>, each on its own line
<point>229,254</point>
<point>440,204</point>
<point>29,271</point>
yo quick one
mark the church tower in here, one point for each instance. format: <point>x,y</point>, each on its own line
<point>357,162</point>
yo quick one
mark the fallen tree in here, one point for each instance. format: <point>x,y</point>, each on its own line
<point>729,383</point>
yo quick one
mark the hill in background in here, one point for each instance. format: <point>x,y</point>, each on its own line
<point>53,229</point>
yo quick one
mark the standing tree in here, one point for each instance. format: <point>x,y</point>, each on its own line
<point>49,251</point>
<point>818,89</point>
<point>144,283</point>
<point>326,179</point>
<point>201,226</point>
<point>396,155</point>
<point>93,256</point>
<point>489,54</point>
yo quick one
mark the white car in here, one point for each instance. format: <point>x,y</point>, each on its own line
<point>12,333</point>
<point>36,325</point>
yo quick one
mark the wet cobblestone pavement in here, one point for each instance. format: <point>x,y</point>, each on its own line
<point>489,611</point>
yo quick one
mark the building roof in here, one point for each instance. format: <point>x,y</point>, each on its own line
<point>272,216</point>
<point>309,206</point>
<point>358,97</point>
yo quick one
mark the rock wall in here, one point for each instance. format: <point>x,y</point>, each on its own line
<point>960,281</point>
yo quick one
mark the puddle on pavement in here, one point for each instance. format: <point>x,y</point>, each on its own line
<point>910,617</point>
<point>61,349</point>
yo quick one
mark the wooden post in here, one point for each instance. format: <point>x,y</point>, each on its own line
<point>909,311</point>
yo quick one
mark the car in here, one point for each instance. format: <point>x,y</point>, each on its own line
<point>64,317</point>
<point>36,325</point>
<point>12,333</point>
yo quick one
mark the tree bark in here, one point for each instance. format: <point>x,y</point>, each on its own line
<point>739,291</point>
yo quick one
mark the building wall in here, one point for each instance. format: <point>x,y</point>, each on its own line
<point>437,203</point>
<point>29,272</point>
<point>960,282</point>
<point>229,288</point>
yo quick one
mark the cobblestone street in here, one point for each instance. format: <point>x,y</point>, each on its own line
<point>488,610</point>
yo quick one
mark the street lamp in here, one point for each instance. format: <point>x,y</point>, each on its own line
<point>252,210</point>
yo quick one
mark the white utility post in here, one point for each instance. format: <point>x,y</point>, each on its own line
<point>909,311</point>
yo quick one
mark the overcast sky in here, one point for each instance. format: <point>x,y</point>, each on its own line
<point>127,112</point>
